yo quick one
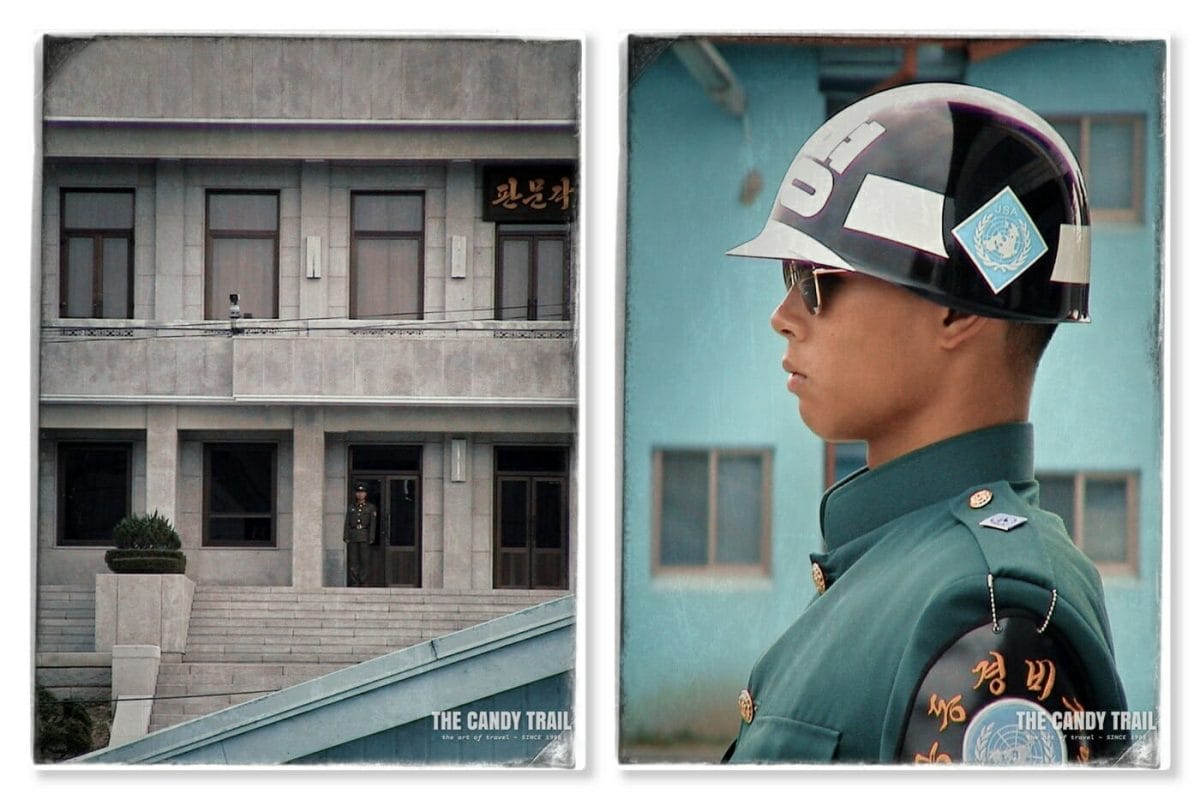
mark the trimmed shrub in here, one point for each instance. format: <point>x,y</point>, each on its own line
<point>146,543</point>
<point>145,532</point>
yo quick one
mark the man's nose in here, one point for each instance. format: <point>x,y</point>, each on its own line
<point>791,317</point>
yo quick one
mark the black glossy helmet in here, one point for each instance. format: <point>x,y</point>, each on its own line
<point>958,193</point>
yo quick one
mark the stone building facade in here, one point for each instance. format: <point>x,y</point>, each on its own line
<point>397,221</point>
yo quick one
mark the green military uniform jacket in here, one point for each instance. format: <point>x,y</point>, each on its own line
<point>908,572</point>
<point>362,522</point>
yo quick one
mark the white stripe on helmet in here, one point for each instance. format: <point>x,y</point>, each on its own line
<point>1074,259</point>
<point>900,212</point>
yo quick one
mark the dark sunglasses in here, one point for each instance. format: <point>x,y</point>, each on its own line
<point>803,275</point>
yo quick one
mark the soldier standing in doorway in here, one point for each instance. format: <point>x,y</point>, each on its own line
<point>362,525</point>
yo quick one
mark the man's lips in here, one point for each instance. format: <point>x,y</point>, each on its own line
<point>796,378</point>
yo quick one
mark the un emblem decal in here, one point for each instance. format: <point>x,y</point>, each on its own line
<point>1013,732</point>
<point>1001,240</point>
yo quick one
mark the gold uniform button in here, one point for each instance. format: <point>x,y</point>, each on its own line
<point>746,706</point>
<point>980,498</point>
<point>818,576</point>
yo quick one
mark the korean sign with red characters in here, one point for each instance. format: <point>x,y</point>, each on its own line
<point>530,193</point>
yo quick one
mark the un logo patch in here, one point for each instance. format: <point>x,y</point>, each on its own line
<point>1013,732</point>
<point>1001,240</point>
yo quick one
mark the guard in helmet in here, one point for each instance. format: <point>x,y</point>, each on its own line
<point>931,236</point>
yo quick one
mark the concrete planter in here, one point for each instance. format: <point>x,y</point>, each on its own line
<point>143,610</point>
<point>146,562</point>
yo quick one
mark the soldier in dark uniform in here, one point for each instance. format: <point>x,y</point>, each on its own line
<point>362,526</point>
<point>932,236</point>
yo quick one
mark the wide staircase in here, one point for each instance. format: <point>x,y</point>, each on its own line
<point>244,642</point>
<point>66,619</point>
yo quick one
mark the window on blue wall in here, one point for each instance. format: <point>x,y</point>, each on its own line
<point>843,458</point>
<point>1109,151</point>
<point>1100,512</point>
<point>712,510</point>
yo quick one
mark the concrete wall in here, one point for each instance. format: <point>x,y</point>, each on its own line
<point>314,200</point>
<point>272,77</point>
<point>689,642</point>
<point>323,353</point>
<point>457,524</point>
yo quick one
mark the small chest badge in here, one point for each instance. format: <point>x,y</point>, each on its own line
<point>980,498</point>
<point>1003,522</point>
<point>746,706</point>
<point>1001,240</point>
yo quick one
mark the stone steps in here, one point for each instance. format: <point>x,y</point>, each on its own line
<point>66,619</point>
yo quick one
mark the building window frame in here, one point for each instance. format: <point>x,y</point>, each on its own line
<point>761,568</point>
<point>97,237</point>
<point>532,478</point>
<point>212,235</point>
<point>61,451</point>
<point>208,514</point>
<point>1077,528</point>
<point>533,234</point>
<point>842,451</point>
<point>415,235</point>
<point>1133,212</point>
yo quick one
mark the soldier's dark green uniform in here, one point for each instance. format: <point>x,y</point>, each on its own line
<point>362,525</point>
<point>910,568</point>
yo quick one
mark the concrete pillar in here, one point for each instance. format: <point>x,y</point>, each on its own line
<point>456,523</point>
<point>461,203</point>
<point>134,679</point>
<point>162,459</point>
<point>143,609</point>
<point>308,491</point>
<point>314,222</point>
<point>168,241</point>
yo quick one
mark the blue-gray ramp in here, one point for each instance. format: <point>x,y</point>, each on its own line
<point>381,711</point>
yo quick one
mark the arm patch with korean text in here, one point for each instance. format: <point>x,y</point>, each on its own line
<point>1015,696</point>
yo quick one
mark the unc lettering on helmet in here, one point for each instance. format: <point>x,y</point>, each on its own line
<point>810,178</point>
<point>957,193</point>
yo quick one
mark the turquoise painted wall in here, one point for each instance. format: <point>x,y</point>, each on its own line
<point>702,365</point>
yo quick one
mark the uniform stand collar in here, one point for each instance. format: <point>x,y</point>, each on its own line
<point>871,497</point>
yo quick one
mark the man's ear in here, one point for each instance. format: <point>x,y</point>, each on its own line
<point>959,327</point>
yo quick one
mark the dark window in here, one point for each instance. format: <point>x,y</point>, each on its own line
<point>387,255</point>
<point>242,254</point>
<point>533,276</point>
<point>96,270</point>
<point>842,459</point>
<point>1100,512</point>
<point>94,483</point>
<point>239,495</point>
<point>531,529</point>
<point>712,510</point>
<point>1109,151</point>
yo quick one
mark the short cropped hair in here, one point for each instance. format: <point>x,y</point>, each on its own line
<point>1027,342</point>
